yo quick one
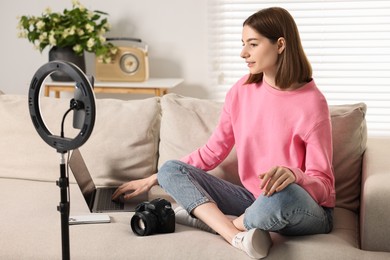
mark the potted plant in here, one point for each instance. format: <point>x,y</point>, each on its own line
<point>69,34</point>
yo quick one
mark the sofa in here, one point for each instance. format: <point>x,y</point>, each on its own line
<point>131,140</point>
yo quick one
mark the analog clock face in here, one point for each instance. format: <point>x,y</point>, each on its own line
<point>129,63</point>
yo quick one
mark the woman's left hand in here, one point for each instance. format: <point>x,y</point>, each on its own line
<point>276,179</point>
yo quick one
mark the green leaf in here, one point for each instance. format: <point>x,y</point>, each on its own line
<point>100,12</point>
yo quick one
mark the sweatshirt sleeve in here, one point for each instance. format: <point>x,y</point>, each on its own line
<point>218,145</point>
<point>318,177</point>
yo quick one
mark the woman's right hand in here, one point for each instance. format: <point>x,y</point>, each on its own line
<point>133,188</point>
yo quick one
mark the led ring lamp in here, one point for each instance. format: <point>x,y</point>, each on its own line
<point>62,144</point>
<point>84,100</point>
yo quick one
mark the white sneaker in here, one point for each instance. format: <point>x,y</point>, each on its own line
<point>255,242</point>
<point>184,218</point>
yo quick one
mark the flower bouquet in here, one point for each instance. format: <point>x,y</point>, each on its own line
<point>78,28</point>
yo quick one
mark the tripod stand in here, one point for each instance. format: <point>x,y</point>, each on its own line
<point>84,106</point>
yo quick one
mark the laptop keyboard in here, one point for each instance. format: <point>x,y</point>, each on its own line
<point>105,202</point>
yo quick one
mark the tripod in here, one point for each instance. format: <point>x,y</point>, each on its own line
<point>84,119</point>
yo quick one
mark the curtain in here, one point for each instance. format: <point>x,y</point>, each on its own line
<point>347,42</point>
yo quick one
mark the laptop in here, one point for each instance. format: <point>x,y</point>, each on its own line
<point>99,199</point>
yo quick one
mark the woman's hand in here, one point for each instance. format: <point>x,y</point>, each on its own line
<point>276,180</point>
<point>133,188</point>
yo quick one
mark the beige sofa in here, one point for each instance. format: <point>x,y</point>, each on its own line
<point>131,139</point>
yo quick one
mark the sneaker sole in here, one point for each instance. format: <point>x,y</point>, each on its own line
<point>260,241</point>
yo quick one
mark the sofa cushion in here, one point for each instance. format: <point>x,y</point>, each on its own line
<point>188,122</point>
<point>186,125</point>
<point>122,146</point>
<point>349,143</point>
<point>21,224</point>
<point>127,134</point>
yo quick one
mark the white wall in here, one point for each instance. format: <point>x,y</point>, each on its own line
<point>175,30</point>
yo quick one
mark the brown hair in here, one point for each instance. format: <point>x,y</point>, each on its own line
<point>292,65</point>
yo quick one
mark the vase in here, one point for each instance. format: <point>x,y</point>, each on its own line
<point>65,54</point>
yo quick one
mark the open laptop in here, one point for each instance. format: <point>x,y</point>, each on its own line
<point>99,199</point>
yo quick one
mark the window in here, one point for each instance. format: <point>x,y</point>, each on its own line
<point>347,43</point>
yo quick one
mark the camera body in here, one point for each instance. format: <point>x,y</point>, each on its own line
<point>156,216</point>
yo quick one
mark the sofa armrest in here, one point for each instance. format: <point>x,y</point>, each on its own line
<point>375,196</point>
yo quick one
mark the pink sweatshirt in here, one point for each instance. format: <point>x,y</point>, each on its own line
<point>271,128</point>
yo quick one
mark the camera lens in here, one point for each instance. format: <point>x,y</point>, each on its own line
<point>143,223</point>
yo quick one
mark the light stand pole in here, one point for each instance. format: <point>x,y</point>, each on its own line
<point>84,106</point>
<point>63,208</point>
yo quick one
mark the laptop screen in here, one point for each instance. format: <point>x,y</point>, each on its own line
<point>82,176</point>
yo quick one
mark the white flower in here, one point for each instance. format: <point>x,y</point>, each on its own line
<point>80,32</point>
<point>75,2</point>
<point>65,33</point>
<point>72,30</point>
<point>43,36</point>
<point>48,10</point>
<point>40,24</point>
<point>90,14</point>
<point>22,34</point>
<point>114,51</point>
<point>77,48</point>
<point>19,26</point>
<point>90,43</point>
<point>52,40</point>
<point>100,58</point>
<point>89,28</point>
<point>107,59</point>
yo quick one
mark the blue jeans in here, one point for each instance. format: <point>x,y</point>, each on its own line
<point>291,211</point>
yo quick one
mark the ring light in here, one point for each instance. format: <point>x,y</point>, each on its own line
<point>62,144</point>
<point>84,100</point>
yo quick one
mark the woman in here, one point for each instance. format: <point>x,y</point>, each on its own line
<point>279,123</point>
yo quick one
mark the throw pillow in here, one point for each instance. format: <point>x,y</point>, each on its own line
<point>349,143</point>
<point>186,125</point>
<point>123,145</point>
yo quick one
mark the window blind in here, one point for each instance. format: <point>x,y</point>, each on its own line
<point>347,43</point>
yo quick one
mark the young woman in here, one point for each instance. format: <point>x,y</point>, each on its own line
<point>279,123</point>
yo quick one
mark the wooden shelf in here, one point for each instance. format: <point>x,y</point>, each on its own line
<point>153,86</point>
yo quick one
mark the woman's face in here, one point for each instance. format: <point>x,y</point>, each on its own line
<point>259,52</point>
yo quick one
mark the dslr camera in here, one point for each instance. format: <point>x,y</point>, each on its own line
<point>156,216</point>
